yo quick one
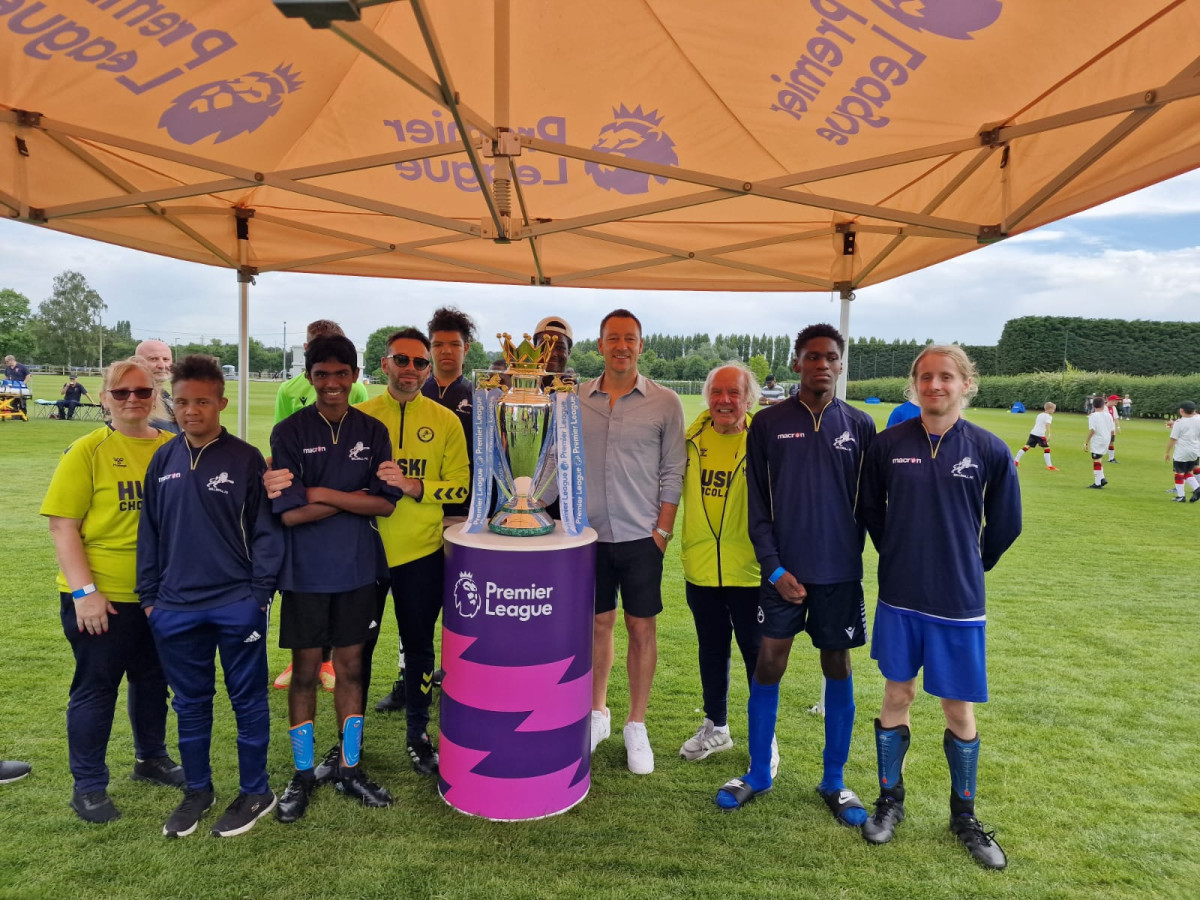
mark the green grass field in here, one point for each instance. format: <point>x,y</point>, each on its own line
<point>1087,770</point>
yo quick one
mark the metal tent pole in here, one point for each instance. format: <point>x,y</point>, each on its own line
<point>246,275</point>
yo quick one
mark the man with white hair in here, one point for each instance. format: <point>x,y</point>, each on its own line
<point>158,354</point>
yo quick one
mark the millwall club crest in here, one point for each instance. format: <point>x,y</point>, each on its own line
<point>636,135</point>
<point>466,596</point>
<point>843,442</point>
<point>357,451</point>
<point>229,108</point>
<point>214,483</point>
<point>961,469</point>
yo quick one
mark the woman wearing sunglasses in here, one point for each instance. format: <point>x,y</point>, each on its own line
<point>93,504</point>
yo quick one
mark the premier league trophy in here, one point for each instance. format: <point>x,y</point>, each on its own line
<point>526,436</point>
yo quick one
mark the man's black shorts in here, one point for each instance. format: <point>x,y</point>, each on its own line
<point>1185,467</point>
<point>834,615</point>
<point>327,620</point>
<point>1036,441</point>
<point>633,568</point>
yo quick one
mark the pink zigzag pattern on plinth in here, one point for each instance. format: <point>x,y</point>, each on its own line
<point>505,798</point>
<point>532,689</point>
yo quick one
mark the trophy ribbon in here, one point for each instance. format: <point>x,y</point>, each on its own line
<point>572,487</point>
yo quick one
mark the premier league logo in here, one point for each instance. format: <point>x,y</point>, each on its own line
<point>948,18</point>
<point>229,108</point>
<point>636,135</point>
<point>466,596</point>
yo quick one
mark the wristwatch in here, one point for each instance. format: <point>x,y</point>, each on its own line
<point>663,533</point>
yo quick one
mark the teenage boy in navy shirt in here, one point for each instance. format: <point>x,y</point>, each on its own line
<point>332,451</point>
<point>803,457</point>
<point>941,500</point>
<point>209,550</point>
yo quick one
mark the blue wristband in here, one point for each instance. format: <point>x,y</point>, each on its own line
<point>84,591</point>
<point>776,575</point>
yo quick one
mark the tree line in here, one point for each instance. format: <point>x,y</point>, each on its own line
<point>67,329</point>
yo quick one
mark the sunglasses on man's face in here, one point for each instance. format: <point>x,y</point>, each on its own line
<point>122,394</point>
<point>420,363</point>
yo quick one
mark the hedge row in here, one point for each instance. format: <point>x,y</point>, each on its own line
<point>1153,396</point>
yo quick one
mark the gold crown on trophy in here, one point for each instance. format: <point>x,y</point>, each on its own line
<point>526,356</point>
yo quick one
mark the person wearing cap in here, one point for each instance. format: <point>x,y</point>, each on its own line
<point>1110,407</point>
<point>633,443</point>
<point>771,393</point>
<point>1183,451</point>
<point>556,325</point>
<point>71,392</point>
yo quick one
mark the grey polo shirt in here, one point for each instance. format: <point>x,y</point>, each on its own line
<point>635,457</point>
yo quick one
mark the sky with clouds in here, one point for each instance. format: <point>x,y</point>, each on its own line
<point>1136,257</point>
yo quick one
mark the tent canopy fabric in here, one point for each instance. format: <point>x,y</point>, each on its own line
<point>762,146</point>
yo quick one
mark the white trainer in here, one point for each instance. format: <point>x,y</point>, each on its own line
<point>601,726</point>
<point>706,741</point>
<point>637,749</point>
<point>774,757</point>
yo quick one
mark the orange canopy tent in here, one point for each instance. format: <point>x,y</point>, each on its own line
<point>807,145</point>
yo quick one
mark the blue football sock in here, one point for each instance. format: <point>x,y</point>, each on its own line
<point>762,710</point>
<point>891,744</point>
<point>302,746</point>
<point>351,741</point>
<point>963,758</point>
<point>839,724</point>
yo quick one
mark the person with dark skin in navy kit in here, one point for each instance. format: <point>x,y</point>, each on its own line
<point>333,452</point>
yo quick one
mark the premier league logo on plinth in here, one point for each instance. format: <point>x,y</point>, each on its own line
<point>527,436</point>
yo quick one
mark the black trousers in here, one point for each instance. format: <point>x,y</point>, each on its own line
<point>101,660</point>
<point>417,599</point>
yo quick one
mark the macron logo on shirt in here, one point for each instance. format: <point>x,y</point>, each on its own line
<point>787,436</point>
<point>905,460</point>
<point>170,476</point>
<point>313,450</point>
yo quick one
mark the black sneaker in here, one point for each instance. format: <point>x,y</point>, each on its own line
<point>881,826</point>
<point>1179,500</point>
<point>1103,482</point>
<point>326,769</point>
<point>94,806</point>
<point>979,843</point>
<point>358,786</point>
<point>294,802</point>
<point>1195,495</point>
<point>395,701</point>
<point>1096,487</point>
<point>240,816</point>
<point>438,676</point>
<point>161,770</point>
<point>189,812</point>
<point>11,770</point>
<point>424,757</point>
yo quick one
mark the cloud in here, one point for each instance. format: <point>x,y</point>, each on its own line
<point>1137,257</point>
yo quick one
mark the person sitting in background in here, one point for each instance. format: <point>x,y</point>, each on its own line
<point>93,505</point>
<point>771,393</point>
<point>71,392</point>
<point>14,371</point>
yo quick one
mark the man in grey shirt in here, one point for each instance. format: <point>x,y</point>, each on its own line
<point>634,448</point>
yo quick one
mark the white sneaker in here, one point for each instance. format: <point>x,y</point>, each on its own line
<point>637,749</point>
<point>601,727</point>
<point>706,741</point>
<point>774,758</point>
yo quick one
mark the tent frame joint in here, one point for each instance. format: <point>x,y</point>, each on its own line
<point>991,234</point>
<point>27,118</point>
<point>247,274</point>
<point>845,289</point>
